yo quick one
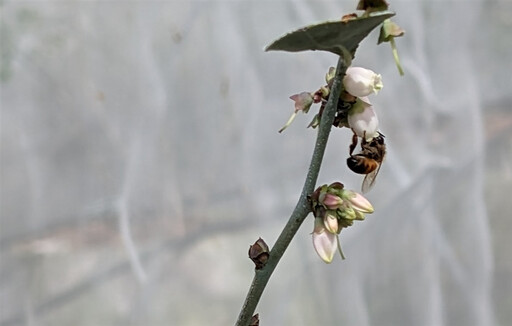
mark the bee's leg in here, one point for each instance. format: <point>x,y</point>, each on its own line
<point>363,140</point>
<point>354,144</point>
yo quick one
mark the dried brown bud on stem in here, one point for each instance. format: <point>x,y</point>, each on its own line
<point>255,320</point>
<point>259,253</point>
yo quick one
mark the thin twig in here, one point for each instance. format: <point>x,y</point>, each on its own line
<point>302,208</point>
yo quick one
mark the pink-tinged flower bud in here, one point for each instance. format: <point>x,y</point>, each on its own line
<point>363,120</point>
<point>331,222</point>
<point>324,242</point>
<point>361,82</point>
<point>302,101</point>
<point>359,202</point>
<point>332,201</point>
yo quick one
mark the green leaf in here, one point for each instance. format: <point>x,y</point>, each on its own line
<point>332,36</point>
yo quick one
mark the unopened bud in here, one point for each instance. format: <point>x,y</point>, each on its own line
<point>347,213</point>
<point>359,202</point>
<point>259,253</point>
<point>331,222</point>
<point>332,201</point>
<point>255,320</point>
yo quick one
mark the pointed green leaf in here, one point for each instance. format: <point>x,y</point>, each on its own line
<point>332,36</point>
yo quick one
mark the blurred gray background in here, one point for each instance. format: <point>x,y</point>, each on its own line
<point>140,158</point>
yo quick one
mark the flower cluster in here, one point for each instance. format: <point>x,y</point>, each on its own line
<point>355,110</point>
<point>335,208</point>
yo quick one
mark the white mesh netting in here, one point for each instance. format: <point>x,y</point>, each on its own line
<point>140,158</point>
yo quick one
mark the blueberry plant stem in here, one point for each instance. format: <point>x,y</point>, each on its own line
<point>302,208</point>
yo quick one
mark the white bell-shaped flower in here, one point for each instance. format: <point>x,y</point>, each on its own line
<point>363,119</point>
<point>361,82</point>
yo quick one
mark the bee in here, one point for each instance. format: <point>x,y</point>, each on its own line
<point>368,160</point>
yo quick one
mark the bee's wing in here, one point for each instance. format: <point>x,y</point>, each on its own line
<point>369,180</point>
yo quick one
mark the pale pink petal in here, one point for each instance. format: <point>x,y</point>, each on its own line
<point>302,101</point>
<point>325,244</point>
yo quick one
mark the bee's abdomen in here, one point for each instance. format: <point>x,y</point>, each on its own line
<point>361,164</point>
